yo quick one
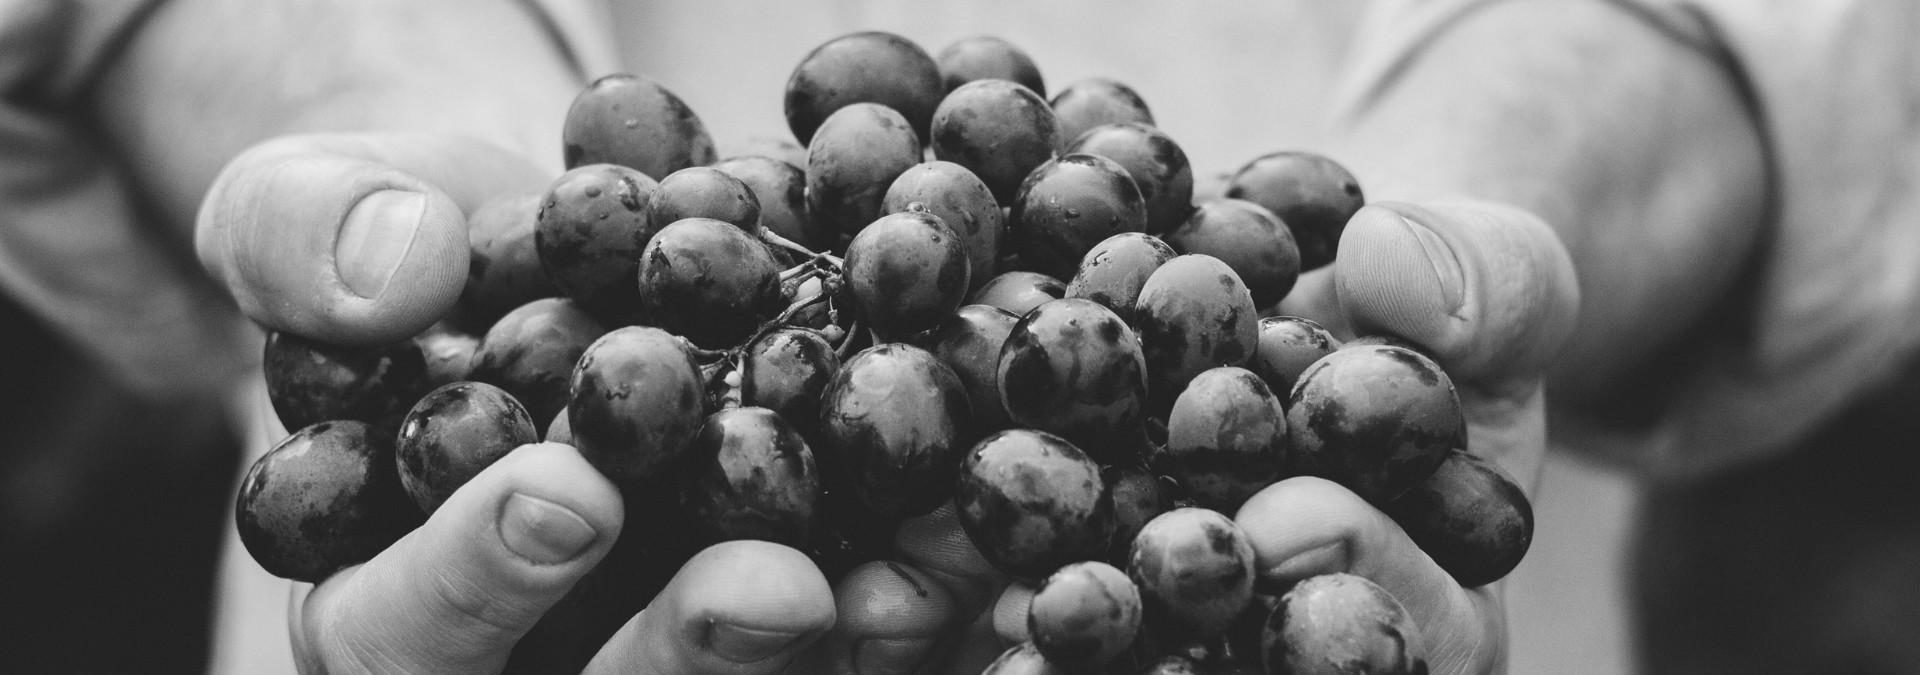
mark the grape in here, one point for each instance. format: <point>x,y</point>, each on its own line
<point>895,421</point>
<point>634,122</point>
<point>1023,659</point>
<point>309,382</point>
<point>781,190</point>
<point>324,498</point>
<point>1114,270</point>
<point>589,233</point>
<point>1340,623</point>
<point>786,370</point>
<point>452,434</point>
<point>1157,165</point>
<point>1312,194</point>
<point>531,351</point>
<point>866,67</point>
<point>854,157</point>
<point>969,342</point>
<point>962,202</point>
<point>1092,102</point>
<point>751,477</point>
<point>997,129</point>
<point>1139,495</point>
<point>1194,568</point>
<point>448,352</point>
<point>503,271</point>
<point>906,273</point>
<point>704,192</point>
<point>1249,239</point>
<point>1288,345</point>
<point>709,281</point>
<point>1030,501</point>
<point>1068,205</point>
<point>987,57</point>
<point>1192,314</point>
<point>1018,292</point>
<point>1071,367</point>
<point>1084,615</point>
<point>1375,418</point>
<point>1470,517</point>
<point>1226,438</point>
<point>637,398</point>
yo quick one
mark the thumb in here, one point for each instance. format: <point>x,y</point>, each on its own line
<point>1304,527</point>
<point>1488,288</point>
<point>458,593</point>
<point>739,607</point>
<point>351,238</point>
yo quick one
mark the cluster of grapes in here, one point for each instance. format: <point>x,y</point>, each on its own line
<point>960,292</point>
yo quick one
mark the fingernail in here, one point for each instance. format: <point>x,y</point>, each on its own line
<point>890,656</point>
<point>746,645</point>
<point>1323,559</point>
<point>542,531</point>
<point>375,237</point>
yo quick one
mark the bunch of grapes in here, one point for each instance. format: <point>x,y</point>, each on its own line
<point>959,292</point>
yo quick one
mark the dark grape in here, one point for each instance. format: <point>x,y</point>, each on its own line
<point>866,67</point>
<point>1067,206</point>
<point>1470,517</point>
<point>704,192</point>
<point>962,202</point>
<point>1084,615</point>
<point>987,57</point>
<point>1030,501</point>
<point>1248,238</point>
<point>634,122</point>
<point>895,421</point>
<point>309,382</point>
<point>906,273</point>
<point>1312,194</point>
<point>1092,102</point>
<point>709,281</point>
<point>1195,571</point>
<point>751,476</point>
<point>969,342</point>
<point>1018,292</point>
<point>781,190</point>
<point>854,157</point>
<point>1193,314</point>
<point>324,498</point>
<point>504,269</point>
<point>997,129</point>
<point>589,234</point>
<point>786,370</point>
<point>1377,419</point>
<point>1157,165</point>
<point>1071,367</point>
<point>531,352</point>
<point>1114,270</point>
<point>454,433</point>
<point>1226,438</point>
<point>637,399</point>
<point>1340,623</point>
<point>1288,344</point>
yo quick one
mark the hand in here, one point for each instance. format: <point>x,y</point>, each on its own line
<point>1490,291</point>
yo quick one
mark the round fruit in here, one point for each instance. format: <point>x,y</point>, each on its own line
<point>895,421</point>
<point>634,122</point>
<point>781,190</point>
<point>854,157</point>
<point>1288,345</point>
<point>906,273</point>
<point>1194,568</point>
<point>1092,102</point>
<point>1226,438</point>
<point>1112,272</point>
<point>985,57</point>
<point>786,370</point>
<point>1031,502</point>
<point>709,281</point>
<point>704,192</point>
<point>1068,205</point>
<point>449,353</point>
<point>452,434</point>
<point>589,234</point>
<point>1375,418</point>
<point>1018,292</point>
<point>1084,615</point>
<point>1071,367</point>
<point>1248,238</point>
<point>531,351</point>
<point>1173,665</point>
<point>1023,659</point>
<point>1157,165</point>
<point>637,399</point>
<point>867,67</point>
<point>1193,314</point>
<point>1313,195</point>
<point>962,202</point>
<point>969,342</point>
<point>1470,517</point>
<point>751,477</point>
<point>997,129</point>
<point>309,382</point>
<point>503,271</point>
<point>1139,496</point>
<point>1341,623</point>
<point>324,498</point>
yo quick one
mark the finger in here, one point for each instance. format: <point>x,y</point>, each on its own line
<point>455,595</point>
<point>1010,613</point>
<point>739,607</point>
<point>1489,289</point>
<point>351,239</point>
<point>936,545</point>
<point>1302,527</point>
<point>1312,298</point>
<point>893,618</point>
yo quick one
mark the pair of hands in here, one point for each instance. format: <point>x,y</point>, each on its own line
<point>347,238</point>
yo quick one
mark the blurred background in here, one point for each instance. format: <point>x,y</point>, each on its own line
<point>1265,85</point>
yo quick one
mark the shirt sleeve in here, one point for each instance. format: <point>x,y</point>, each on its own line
<point>1833,311</point>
